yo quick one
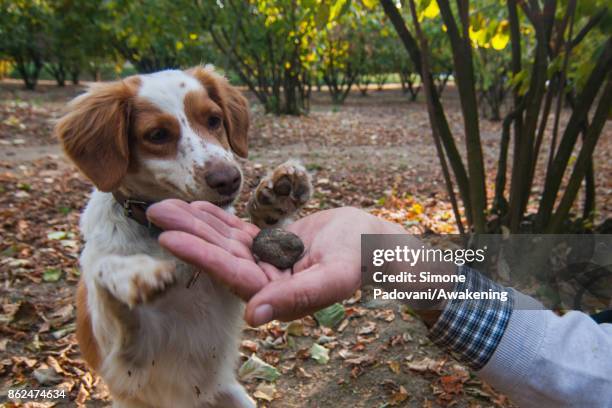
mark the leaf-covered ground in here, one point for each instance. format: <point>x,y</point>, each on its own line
<point>374,152</point>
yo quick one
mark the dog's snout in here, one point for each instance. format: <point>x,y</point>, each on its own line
<point>223,177</point>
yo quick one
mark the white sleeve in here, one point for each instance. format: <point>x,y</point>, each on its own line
<point>544,360</point>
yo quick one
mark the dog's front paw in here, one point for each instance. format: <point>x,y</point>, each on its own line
<point>137,279</point>
<point>280,194</point>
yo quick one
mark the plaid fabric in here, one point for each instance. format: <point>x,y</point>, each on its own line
<point>471,329</point>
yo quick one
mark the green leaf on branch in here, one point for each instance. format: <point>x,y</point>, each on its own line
<point>322,16</point>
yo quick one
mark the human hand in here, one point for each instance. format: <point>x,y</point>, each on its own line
<point>220,244</point>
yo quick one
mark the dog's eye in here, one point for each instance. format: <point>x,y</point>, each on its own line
<point>214,122</point>
<point>158,136</point>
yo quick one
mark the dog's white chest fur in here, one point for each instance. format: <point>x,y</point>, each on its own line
<point>178,349</point>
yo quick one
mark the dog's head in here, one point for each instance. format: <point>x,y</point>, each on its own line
<point>162,135</point>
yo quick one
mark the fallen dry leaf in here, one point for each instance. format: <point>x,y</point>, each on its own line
<point>425,364</point>
<point>398,396</point>
<point>265,391</point>
<point>394,366</point>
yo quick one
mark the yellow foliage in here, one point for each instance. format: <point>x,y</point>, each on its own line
<point>502,36</point>
<point>336,8</point>
<point>500,40</point>
<point>432,10</point>
<point>416,208</point>
<point>193,36</point>
<point>5,68</point>
<point>481,36</point>
<point>179,45</point>
<point>369,3</point>
<point>269,20</point>
<point>416,216</point>
<point>478,37</point>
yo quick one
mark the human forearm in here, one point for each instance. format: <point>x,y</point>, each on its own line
<point>532,355</point>
<point>544,360</point>
<point>471,329</point>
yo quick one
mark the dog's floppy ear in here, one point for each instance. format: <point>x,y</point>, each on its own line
<point>237,118</point>
<point>94,133</point>
<point>234,105</point>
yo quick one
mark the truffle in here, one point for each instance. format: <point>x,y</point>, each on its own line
<point>278,247</point>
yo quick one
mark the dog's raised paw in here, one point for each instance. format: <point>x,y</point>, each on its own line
<point>280,194</point>
<point>154,279</point>
<point>137,279</point>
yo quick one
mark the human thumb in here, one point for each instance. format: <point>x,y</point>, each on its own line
<point>301,294</point>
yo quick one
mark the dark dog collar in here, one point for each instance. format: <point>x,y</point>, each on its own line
<point>137,211</point>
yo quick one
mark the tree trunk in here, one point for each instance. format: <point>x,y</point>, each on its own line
<point>429,93</point>
<point>59,73</point>
<point>437,116</point>
<point>588,210</point>
<point>583,104</point>
<point>584,160</point>
<point>412,89</point>
<point>74,76</point>
<point>520,188</point>
<point>29,75</point>
<point>465,81</point>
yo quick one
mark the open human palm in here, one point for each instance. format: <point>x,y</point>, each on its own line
<point>220,244</point>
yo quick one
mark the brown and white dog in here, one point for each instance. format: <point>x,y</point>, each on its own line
<point>171,134</point>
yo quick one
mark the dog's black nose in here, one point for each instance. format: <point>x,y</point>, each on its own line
<point>223,177</point>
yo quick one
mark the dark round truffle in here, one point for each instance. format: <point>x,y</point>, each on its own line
<point>278,247</point>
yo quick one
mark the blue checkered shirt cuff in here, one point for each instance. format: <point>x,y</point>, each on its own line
<point>471,329</point>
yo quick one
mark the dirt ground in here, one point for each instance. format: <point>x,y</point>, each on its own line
<point>373,152</point>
